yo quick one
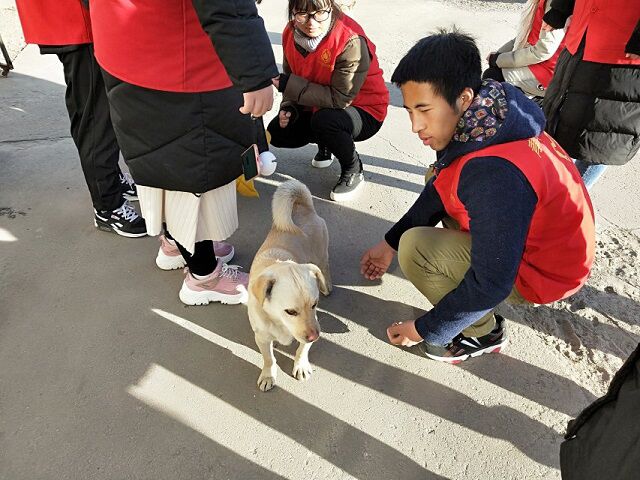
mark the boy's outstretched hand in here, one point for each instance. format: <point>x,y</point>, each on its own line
<point>404,334</point>
<point>375,261</point>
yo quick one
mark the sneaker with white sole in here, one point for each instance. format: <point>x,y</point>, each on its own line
<point>323,158</point>
<point>227,284</point>
<point>461,348</point>
<point>128,187</point>
<point>170,258</point>
<point>347,187</point>
<point>124,221</point>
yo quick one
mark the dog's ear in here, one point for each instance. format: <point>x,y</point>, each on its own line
<point>262,287</point>
<point>322,283</point>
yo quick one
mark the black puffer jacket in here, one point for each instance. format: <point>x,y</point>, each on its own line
<point>192,142</point>
<point>604,441</point>
<point>593,109</point>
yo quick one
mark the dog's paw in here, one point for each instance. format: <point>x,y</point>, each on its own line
<point>266,380</point>
<point>302,370</point>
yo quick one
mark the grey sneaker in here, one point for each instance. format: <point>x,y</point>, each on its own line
<point>347,187</point>
<point>323,158</point>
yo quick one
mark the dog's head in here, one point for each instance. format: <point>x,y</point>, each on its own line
<point>288,293</point>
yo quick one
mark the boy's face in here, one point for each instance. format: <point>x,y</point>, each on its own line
<point>432,118</point>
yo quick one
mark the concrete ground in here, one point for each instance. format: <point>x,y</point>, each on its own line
<point>104,374</point>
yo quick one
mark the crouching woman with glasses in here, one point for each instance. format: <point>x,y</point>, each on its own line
<point>333,90</point>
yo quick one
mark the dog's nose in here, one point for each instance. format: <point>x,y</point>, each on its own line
<point>313,335</point>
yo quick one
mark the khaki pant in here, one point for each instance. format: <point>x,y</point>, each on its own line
<point>435,260</point>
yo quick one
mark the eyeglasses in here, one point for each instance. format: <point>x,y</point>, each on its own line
<point>319,16</point>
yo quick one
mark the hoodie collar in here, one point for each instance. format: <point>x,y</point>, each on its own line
<point>499,113</point>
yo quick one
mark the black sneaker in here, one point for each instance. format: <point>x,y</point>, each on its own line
<point>323,158</point>
<point>128,187</point>
<point>347,187</point>
<point>461,347</point>
<point>123,221</point>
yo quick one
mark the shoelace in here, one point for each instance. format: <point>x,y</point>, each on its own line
<point>127,178</point>
<point>230,271</point>
<point>127,212</point>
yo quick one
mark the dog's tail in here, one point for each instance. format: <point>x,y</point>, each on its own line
<point>287,195</point>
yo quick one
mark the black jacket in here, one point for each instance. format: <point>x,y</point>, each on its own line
<point>604,441</point>
<point>593,109</point>
<point>192,142</point>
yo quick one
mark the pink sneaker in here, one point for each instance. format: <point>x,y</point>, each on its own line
<point>226,285</point>
<point>169,257</point>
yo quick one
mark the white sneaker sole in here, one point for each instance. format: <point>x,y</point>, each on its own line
<point>167,262</point>
<point>345,197</point>
<point>462,358</point>
<point>322,163</point>
<point>105,228</point>
<point>190,297</point>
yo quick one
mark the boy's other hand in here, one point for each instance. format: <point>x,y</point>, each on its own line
<point>259,102</point>
<point>404,334</point>
<point>632,56</point>
<point>283,118</point>
<point>375,261</point>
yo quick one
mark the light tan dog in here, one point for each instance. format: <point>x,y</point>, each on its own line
<point>287,274</point>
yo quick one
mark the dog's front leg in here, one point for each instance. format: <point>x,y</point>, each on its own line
<point>301,366</point>
<point>267,378</point>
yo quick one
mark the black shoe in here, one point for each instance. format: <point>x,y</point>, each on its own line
<point>347,187</point>
<point>123,221</point>
<point>461,347</point>
<point>323,158</point>
<point>128,187</point>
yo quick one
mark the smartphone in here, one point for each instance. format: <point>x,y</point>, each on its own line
<point>250,162</point>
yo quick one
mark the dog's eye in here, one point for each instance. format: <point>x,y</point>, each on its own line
<point>293,313</point>
<point>314,306</point>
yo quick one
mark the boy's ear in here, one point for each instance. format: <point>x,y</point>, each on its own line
<point>465,98</point>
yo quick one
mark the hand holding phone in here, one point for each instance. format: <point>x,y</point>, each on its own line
<point>250,162</point>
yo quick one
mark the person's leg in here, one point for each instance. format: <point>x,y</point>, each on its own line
<point>334,128</point>
<point>91,127</point>
<point>436,260</point>
<point>590,172</point>
<point>203,260</point>
<point>170,255</point>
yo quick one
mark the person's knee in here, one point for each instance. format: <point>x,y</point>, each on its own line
<point>408,250</point>
<point>326,121</point>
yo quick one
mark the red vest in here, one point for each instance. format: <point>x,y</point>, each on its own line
<point>543,71</point>
<point>560,245</point>
<point>54,22</point>
<point>318,66</point>
<point>609,25</point>
<point>156,44</point>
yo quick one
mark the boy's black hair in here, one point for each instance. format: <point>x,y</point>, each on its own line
<point>312,5</point>
<point>448,61</point>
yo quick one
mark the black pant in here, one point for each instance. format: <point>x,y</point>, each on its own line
<point>91,127</point>
<point>328,127</point>
<point>203,260</point>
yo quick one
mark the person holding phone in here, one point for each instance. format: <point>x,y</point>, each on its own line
<point>333,90</point>
<point>182,110</point>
